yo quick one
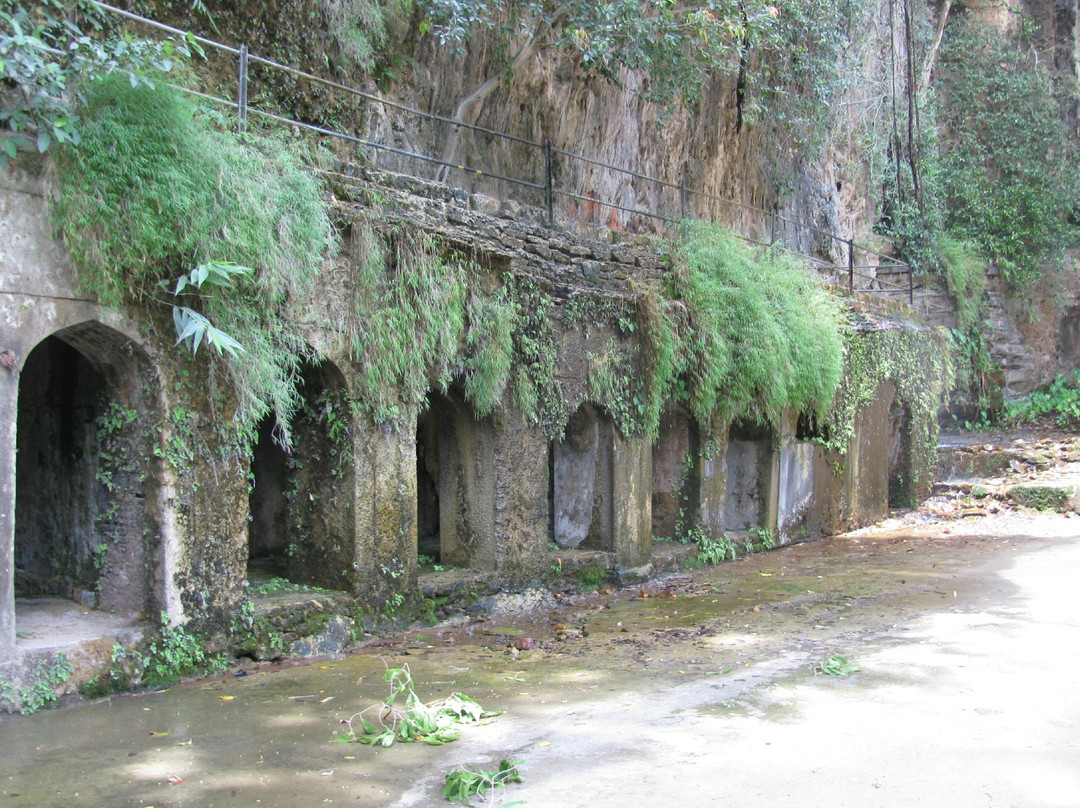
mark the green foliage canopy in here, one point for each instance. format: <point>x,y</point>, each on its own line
<point>1010,172</point>
<point>45,60</point>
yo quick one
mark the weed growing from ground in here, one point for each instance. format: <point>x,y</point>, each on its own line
<point>1060,403</point>
<point>42,688</point>
<point>175,654</point>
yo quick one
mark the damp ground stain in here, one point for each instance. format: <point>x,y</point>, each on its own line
<point>699,689</point>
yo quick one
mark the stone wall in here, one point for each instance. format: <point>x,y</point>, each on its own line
<point>187,514</point>
<point>1030,337</point>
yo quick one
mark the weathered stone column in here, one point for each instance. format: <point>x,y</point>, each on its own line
<point>866,473</point>
<point>204,499</point>
<point>521,496</point>
<point>9,408</point>
<point>631,487</point>
<point>384,554</point>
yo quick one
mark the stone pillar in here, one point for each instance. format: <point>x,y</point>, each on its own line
<point>204,494</point>
<point>9,398</point>
<point>384,553</point>
<point>866,473</point>
<point>631,487</point>
<point>521,496</point>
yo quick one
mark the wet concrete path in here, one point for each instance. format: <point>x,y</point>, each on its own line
<point>702,693</point>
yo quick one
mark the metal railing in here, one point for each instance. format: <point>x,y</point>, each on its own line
<point>845,269</point>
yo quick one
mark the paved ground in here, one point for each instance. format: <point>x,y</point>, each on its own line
<point>966,630</point>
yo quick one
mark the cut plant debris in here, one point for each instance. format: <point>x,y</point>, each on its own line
<point>469,781</point>
<point>434,723</point>
<point>837,666</point>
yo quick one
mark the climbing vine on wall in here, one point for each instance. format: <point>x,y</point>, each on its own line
<point>918,362</point>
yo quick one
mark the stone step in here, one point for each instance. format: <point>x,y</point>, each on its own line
<point>1061,497</point>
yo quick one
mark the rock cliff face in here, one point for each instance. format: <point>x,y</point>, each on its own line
<point>724,148</point>
<point>742,147</point>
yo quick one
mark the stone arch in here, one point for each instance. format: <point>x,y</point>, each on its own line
<point>87,504</point>
<point>676,474</point>
<point>302,526</point>
<point>752,467</point>
<point>455,488</point>
<point>581,482</point>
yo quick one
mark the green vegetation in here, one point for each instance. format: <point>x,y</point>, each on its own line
<point>919,365</point>
<point>764,334</point>
<point>591,578</point>
<point>435,723</point>
<point>367,30</point>
<point>988,160</point>
<point>48,59</point>
<point>713,550</point>
<point>1059,403</point>
<point>176,654</point>
<point>469,781</point>
<point>41,692</point>
<point>965,276</point>
<point>836,665</point>
<point>154,189</point>
<point>1010,172</point>
<point>761,537</point>
<point>416,319</point>
<point>794,87</point>
<point>1042,497</point>
<point>280,586</point>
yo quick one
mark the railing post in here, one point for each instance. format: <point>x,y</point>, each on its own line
<point>772,227</point>
<point>910,285</point>
<point>549,189</point>
<point>682,199</point>
<point>241,99</point>
<point>851,266</point>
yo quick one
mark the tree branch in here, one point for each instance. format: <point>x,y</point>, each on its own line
<point>931,57</point>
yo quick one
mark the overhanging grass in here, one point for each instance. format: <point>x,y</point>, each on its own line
<point>764,333</point>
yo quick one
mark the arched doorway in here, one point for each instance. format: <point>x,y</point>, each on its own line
<point>86,521</point>
<point>302,525</point>
<point>581,475</point>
